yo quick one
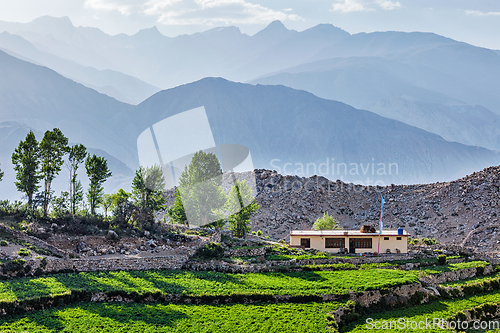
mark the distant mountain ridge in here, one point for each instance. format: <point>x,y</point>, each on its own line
<point>287,126</point>
<point>279,125</point>
<point>438,84</point>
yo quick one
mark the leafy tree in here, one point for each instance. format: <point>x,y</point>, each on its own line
<point>147,189</point>
<point>98,173</point>
<point>76,198</point>
<point>107,203</point>
<point>53,147</point>
<point>61,204</point>
<point>326,222</point>
<point>77,154</point>
<point>241,205</point>
<point>122,207</point>
<point>176,212</point>
<point>200,186</point>
<point>26,160</point>
<point>1,175</point>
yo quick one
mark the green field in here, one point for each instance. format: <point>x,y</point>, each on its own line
<point>234,318</point>
<point>451,267</point>
<point>473,281</point>
<point>204,283</point>
<point>438,309</point>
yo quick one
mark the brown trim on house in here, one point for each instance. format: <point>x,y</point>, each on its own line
<point>350,236</point>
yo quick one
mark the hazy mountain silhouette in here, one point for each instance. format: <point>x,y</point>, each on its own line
<point>279,123</point>
<point>398,91</point>
<point>43,99</point>
<point>122,87</point>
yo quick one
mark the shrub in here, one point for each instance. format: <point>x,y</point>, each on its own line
<point>13,265</point>
<point>4,243</point>
<point>441,259</point>
<point>326,222</point>
<point>24,252</point>
<point>210,251</point>
<point>259,233</point>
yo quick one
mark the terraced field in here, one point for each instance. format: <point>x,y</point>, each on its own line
<point>204,283</point>
<point>206,289</point>
<point>113,317</point>
<point>440,310</point>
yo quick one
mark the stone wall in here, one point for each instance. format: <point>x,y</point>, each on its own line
<point>35,241</point>
<point>127,264</point>
<point>249,252</point>
<point>461,274</point>
<point>117,264</point>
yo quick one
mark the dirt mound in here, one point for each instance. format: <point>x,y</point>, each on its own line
<point>464,211</point>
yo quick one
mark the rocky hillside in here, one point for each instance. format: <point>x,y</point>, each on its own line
<point>460,212</point>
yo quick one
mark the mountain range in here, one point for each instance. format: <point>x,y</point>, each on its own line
<point>429,81</point>
<point>427,119</point>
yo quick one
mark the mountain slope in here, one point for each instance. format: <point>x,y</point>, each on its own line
<point>463,211</point>
<point>395,90</point>
<point>281,125</point>
<point>122,87</point>
<point>42,99</point>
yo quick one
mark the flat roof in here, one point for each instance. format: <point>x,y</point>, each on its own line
<point>385,232</point>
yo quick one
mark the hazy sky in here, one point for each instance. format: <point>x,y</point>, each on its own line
<point>473,21</point>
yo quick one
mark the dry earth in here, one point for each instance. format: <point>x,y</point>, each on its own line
<point>464,211</point>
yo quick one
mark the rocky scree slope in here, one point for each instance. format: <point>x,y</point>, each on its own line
<point>462,212</point>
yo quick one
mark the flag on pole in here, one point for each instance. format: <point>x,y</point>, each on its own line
<point>381,216</point>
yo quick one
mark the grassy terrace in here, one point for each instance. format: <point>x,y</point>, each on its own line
<point>452,267</point>
<point>204,283</point>
<point>437,309</point>
<point>473,281</point>
<point>112,317</point>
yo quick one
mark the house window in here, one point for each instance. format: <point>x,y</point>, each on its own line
<point>362,243</point>
<point>386,238</point>
<point>305,242</point>
<point>334,243</point>
<point>398,238</point>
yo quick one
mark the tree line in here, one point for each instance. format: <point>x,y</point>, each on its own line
<point>37,164</point>
<point>199,194</point>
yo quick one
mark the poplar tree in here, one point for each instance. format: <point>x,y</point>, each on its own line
<point>98,173</point>
<point>200,186</point>
<point>147,188</point>
<point>241,205</point>
<point>53,147</point>
<point>26,161</point>
<point>77,154</point>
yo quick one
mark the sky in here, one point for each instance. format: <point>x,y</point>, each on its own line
<point>473,21</point>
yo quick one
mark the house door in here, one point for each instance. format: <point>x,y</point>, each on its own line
<point>352,249</point>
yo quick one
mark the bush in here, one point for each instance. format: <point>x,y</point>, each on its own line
<point>24,252</point>
<point>441,259</point>
<point>13,265</point>
<point>210,251</point>
<point>4,243</point>
<point>259,233</point>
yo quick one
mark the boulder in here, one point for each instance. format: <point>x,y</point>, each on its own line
<point>112,235</point>
<point>82,247</point>
<point>150,243</point>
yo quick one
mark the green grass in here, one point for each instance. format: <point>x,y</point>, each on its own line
<point>346,266</point>
<point>451,267</point>
<point>437,309</point>
<point>204,283</point>
<point>112,317</point>
<point>298,256</point>
<point>472,281</point>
